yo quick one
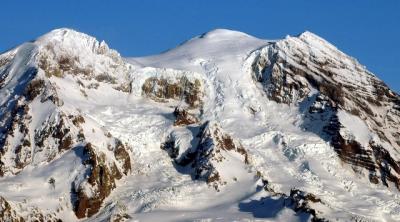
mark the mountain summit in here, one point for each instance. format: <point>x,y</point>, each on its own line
<point>225,126</point>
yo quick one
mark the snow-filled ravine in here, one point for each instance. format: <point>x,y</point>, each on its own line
<point>212,77</point>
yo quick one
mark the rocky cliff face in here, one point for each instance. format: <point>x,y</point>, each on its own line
<point>90,193</point>
<point>212,148</point>
<point>7,213</point>
<point>37,127</point>
<point>286,130</point>
<point>310,73</point>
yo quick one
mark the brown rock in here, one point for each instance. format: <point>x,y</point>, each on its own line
<point>183,118</point>
<point>7,213</point>
<point>102,180</point>
<point>123,156</point>
<point>160,90</point>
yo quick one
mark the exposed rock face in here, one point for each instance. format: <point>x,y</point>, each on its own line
<point>309,70</point>
<point>183,117</point>
<point>95,63</point>
<point>62,95</point>
<point>298,200</point>
<point>122,156</point>
<point>279,84</point>
<point>57,56</point>
<point>14,110</point>
<point>55,135</point>
<point>37,215</point>
<point>91,192</point>
<point>182,89</point>
<point>301,202</point>
<point>101,180</point>
<point>16,136</point>
<point>388,168</point>
<point>37,129</point>
<point>170,147</point>
<point>7,213</point>
<point>212,147</point>
<point>372,157</point>
<point>289,71</point>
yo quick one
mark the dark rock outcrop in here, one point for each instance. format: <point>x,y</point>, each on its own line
<point>122,155</point>
<point>7,213</point>
<point>301,69</point>
<point>183,117</point>
<point>182,89</point>
<point>90,193</point>
<point>17,121</point>
<point>212,143</point>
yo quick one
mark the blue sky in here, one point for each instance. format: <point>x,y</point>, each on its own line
<point>366,29</point>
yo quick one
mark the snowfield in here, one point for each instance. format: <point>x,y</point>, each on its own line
<point>289,171</point>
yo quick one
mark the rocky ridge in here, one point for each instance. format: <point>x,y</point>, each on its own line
<point>209,105</point>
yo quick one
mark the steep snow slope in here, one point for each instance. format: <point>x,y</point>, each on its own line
<point>224,127</point>
<point>44,134</point>
<point>289,137</point>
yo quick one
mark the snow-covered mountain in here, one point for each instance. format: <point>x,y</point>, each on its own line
<point>224,127</point>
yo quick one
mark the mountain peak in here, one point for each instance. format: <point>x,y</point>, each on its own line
<point>63,33</point>
<point>224,33</point>
<point>308,34</point>
<point>315,40</point>
<point>71,40</point>
<point>292,126</point>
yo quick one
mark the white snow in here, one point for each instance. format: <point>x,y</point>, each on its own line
<point>285,154</point>
<point>354,126</point>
